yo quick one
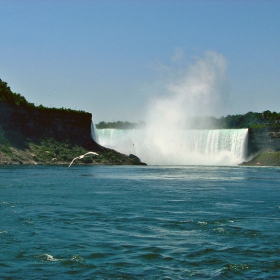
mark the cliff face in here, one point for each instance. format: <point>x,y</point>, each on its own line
<point>264,140</point>
<point>21,123</point>
<point>32,135</point>
<point>264,146</point>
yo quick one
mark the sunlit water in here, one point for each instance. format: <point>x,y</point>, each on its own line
<point>145,222</point>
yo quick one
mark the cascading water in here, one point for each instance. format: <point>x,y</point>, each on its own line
<point>179,147</point>
<point>93,133</point>
<point>197,90</point>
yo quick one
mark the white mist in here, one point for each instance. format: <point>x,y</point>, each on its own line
<point>164,141</point>
<point>180,147</point>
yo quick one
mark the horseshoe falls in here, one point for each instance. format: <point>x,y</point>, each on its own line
<point>179,147</point>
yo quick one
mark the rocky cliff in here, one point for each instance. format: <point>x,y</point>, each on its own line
<point>264,146</point>
<point>39,135</point>
<point>266,139</point>
<point>21,123</point>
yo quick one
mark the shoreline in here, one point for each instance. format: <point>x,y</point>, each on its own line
<point>51,152</point>
<point>266,158</point>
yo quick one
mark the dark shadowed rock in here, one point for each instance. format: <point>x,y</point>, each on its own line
<point>51,136</point>
<point>136,159</point>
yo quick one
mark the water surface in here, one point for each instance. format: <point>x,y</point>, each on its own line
<point>141,222</point>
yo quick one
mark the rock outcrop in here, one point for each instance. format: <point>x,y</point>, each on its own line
<point>264,159</point>
<point>21,123</point>
<point>38,135</point>
<point>264,147</point>
<point>264,139</point>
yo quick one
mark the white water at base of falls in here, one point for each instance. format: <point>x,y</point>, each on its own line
<point>179,147</point>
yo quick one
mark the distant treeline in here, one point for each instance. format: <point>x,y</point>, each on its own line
<point>120,125</point>
<point>248,120</point>
<point>16,99</point>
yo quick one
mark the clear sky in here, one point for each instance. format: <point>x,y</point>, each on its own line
<point>111,58</point>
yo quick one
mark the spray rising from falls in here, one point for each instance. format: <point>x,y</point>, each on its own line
<point>198,90</point>
<point>180,147</point>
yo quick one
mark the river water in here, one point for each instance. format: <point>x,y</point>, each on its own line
<point>139,222</point>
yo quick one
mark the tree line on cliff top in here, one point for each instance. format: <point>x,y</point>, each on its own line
<point>248,120</point>
<point>16,99</point>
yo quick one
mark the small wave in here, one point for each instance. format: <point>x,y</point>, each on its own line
<point>77,258</point>
<point>202,223</point>
<point>237,266</point>
<point>51,258</point>
<point>97,255</point>
<point>263,178</point>
<point>221,230</point>
<point>151,256</point>
<point>47,257</point>
<point>88,175</point>
<point>7,204</point>
<point>78,261</point>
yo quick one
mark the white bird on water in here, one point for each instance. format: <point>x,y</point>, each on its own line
<point>81,156</point>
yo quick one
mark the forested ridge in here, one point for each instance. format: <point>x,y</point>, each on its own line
<point>248,120</point>
<point>32,134</point>
<point>16,99</point>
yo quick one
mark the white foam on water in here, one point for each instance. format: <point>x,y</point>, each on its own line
<point>50,258</point>
<point>179,147</point>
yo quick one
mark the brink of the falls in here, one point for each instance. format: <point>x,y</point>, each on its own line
<point>93,133</point>
<point>179,147</point>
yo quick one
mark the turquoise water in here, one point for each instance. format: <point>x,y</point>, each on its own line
<point>148,222</point>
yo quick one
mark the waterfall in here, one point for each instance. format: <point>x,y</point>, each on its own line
<point>179,147</point>
<point>93,133</point>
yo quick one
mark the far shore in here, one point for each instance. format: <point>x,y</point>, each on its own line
<point>268,158</point>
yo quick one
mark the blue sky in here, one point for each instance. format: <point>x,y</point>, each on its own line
<point>110,58</point>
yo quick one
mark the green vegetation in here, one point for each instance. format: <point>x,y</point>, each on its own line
<point>15,99</point>
<point>251,120</point>
<point>7,96</point>
<point>248,120</point>
<point>120,125</point>
<point>51,151</point>
<point>264,159</point>
<point>24,141</point>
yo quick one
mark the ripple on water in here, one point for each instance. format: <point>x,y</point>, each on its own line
<point>47,257</point>
<point>118,225</point>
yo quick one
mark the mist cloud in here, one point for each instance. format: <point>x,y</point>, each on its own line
<point>197,90</point>
<point>194,91</point>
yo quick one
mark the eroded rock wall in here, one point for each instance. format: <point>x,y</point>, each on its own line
<point>20,123</point>
<point>264,139</point>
